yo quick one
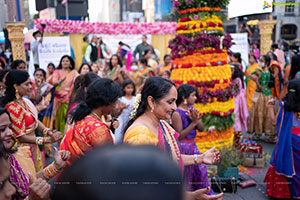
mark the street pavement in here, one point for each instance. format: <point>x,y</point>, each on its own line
<point>257,192</point>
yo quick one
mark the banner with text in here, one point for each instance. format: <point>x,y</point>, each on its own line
<point>52,49</point>
<point>241,46</point>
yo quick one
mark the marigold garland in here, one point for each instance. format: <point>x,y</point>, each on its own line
<point>192,10</point>
<point>196,59</point>
<point>207,140</point>
<point>215,106</point>
<point>213,73</point>
<point>192,20</point>
<point>199,28</point>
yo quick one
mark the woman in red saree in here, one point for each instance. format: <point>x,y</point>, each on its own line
<point>148,126</point>
<point>88,129</point>
<point>24,117</point>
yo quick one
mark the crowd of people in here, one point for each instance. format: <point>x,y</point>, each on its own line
<point>271,97</point>
<point>104,102</point>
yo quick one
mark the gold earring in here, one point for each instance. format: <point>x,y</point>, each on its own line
<point>185,102</point>
<point>18,96</point>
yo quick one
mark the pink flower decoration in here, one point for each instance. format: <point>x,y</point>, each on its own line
<point>196,17</point>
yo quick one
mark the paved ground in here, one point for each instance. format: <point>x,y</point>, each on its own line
<point>256,192</point>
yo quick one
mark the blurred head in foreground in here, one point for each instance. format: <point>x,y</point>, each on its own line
<point>121,172</point>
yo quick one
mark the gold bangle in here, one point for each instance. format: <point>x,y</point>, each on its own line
<point>39,140</point>
<point>45,131</point>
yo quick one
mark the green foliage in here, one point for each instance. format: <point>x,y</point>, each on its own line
<point>230,157</point>
<point>220,123</point>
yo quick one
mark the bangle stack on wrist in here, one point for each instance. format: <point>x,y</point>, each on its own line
<point>50,171</point>
<point>39,140</point>
<point>46,131</point>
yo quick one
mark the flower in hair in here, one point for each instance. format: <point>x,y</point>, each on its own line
<point>135,106</point>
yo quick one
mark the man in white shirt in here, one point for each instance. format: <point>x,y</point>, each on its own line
<point>34,48</point>
<point>91,52</point>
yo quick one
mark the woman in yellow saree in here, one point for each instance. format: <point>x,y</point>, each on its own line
<point>153,106</point>
<point>24,117</point>
<point>63,80</point>
<point>251,85</point>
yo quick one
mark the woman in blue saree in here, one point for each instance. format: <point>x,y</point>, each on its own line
<point>283,176</point>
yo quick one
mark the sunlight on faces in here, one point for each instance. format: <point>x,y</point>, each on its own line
<point>24,89</point>
<point>164,108</point>
<point>6,133</point>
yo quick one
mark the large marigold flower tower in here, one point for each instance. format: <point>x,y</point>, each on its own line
<point>200,58</point>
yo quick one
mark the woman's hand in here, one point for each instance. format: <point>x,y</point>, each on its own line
<point>38,83</point>
<point>60,158</point>
<point>211,157</point>
<point>115,124</point>
<point>194,116</point>
<point>54,136</point>
<point>39,189</point>
<point>200,194</point>
<point>44,104</point>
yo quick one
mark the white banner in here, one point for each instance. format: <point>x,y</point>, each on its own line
<point>241,46</point>
<point>52,49</point>
<point>112,41</point>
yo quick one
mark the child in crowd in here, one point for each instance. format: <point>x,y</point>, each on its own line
<point>127,101</point>
<point>185,120</point>
<point>135,74</point>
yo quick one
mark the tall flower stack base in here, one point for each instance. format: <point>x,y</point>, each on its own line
<point>200,58</point>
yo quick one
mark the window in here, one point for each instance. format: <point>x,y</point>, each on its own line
<point>290,6</point>
<point>289,31</point>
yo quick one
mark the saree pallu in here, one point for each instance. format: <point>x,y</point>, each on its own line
<point>195,176</point>
<point>85,135</point>
<point>285,160</point>
<point>45,116</point>
<point>18,177</point>
<point>260,120</point>
<point>60,121</point>
<point>62,96</point>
